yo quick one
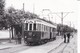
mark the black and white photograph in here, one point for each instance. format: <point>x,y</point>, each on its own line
<point>39,26</point>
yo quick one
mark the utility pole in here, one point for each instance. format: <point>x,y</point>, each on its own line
<point>33,8</point>
<point>23,25</point>
<point>23,8</point>
<point>62,17</point>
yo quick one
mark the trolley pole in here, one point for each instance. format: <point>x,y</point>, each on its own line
<point>47,14</point>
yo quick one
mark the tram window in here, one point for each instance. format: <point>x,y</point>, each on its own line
<point>26,26</point>
<point>50,29</point>
<point>38,28</point>
<point>34,26</point>
<point>42,27</point>
<point>42,35</point>
<point>46,28</point>
<point>54,29</point>
<point>30,27</point>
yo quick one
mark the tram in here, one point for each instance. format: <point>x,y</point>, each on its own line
<point>39,31</point>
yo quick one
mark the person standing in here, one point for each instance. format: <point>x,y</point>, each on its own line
<point>64,37</point>
<point>68,37</point>
<point>19,38</point>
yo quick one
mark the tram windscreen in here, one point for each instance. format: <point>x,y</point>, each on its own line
<point>34,26</point>
<point>30,28</point>
<point>26,26</point>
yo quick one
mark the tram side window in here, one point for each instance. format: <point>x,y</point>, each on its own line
<point>47,28</point>
<point>30,27</point>
<point>26,26</point>
<point>42,28</point>
<point>50,29</point>
<point>38,27</point>
<point>34,26</point>
<point>54,29</point>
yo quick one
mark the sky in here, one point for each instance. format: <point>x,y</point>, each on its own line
<point>55,6</point>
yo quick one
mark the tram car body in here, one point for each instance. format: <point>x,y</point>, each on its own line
<point>38,31</point>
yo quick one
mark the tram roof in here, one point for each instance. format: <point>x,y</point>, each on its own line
<point>41,21</point>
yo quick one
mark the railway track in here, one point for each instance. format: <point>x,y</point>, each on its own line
<point>15,49</point>
<point>62,48</point>
<point>62,51</point>
<point>59,49</point>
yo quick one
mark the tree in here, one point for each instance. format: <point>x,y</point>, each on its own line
<point>14,18</point>
<point>64,28</point>
<point>30,15</point>
<point>2,5</point>
<point>59,28</point>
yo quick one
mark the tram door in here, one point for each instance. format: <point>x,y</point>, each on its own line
<point>50,33</point>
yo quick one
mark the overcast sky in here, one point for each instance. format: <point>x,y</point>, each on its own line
<point>53,5</point>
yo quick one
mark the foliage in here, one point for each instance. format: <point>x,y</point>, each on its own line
<point>15,17</point>
<point>2,4</point>
<point>64,28</point>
